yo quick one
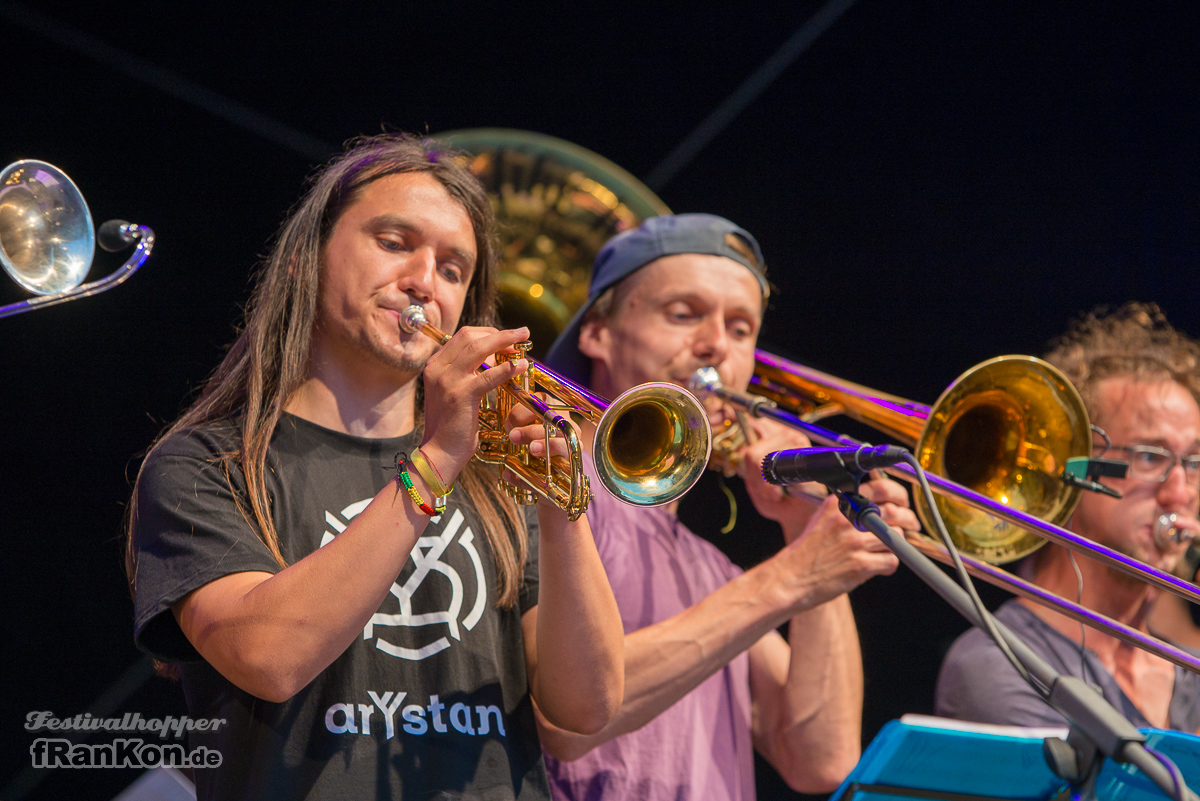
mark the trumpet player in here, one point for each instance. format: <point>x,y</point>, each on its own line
<point>344,589</point>
<point>707,677</point>
<point>1140,381</point>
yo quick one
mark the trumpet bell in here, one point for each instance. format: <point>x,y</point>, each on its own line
<point>47,239</point>
<point>1005,429</point>
<point>652,444</point>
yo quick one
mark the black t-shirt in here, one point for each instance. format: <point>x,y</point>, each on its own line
<point>431,702</point>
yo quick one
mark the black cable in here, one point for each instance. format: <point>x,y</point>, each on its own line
<point>1134,752</point>
<point>965,579</point>
<point>1083,667</point>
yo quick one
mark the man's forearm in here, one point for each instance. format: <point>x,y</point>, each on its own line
<point>577,673</point>
<point>272,634</point>
<point>667,660</point>
<point>812,729</point>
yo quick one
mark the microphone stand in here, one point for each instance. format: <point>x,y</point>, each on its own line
<point>1097,729</point>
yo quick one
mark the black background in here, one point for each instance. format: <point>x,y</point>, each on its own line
<point>933,184</point>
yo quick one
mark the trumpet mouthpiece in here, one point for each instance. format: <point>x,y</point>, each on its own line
<point>412,319</point>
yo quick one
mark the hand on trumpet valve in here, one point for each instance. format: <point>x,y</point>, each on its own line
<point>526,428</point>
<point>454,387</point>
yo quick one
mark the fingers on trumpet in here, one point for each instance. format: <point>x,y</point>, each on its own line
<point>454,387</point>
<point>455,367</point>
<point>525,427</point>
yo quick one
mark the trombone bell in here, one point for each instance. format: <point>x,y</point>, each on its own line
<point>47,239</point>
<point>1005,429</point>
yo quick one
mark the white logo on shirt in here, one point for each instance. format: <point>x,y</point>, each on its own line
<point>426,558</point>
<point>340,718</point>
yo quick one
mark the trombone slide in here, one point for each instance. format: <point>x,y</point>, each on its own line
<point>1019,586</point>
<point>709,383</point>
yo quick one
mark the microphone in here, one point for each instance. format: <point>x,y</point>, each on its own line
<point>833,467</point>
<point>115,235</point>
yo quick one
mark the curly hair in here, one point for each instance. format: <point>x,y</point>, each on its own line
<point>1134,340</point>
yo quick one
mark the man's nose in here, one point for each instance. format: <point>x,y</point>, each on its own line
<point>1178,491</point>
<point>419,273</point>
<point>711,343</point>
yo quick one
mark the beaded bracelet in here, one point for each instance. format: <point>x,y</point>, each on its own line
<point>404,479</point>
<point>428,471</point>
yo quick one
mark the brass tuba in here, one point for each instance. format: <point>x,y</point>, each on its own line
<point>556,204</point>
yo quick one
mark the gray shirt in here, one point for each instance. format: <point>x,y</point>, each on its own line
<point>977,682</point>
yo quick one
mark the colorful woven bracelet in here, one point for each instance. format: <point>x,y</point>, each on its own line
<point>429,472</point>
<point>440,503</point>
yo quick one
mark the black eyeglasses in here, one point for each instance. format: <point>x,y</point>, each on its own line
<point>1152,463</point>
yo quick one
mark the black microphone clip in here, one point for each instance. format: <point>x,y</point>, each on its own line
<point>841,469</point>
<point>1084,473</point>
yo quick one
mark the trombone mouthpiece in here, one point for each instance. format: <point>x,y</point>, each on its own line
<point>412,319</point>
<point>704,381</point>
<point>1167,534</point>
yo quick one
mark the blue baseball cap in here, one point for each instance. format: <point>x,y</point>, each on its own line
<point>629,251</point>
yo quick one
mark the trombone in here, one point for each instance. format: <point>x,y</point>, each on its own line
<point>650,446</point>
<point>47,238</point>
<point>994,446</point>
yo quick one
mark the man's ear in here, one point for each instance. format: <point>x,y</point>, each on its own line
<point>594,341</point>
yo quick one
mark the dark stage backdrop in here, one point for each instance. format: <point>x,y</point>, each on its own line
<point>933,184</point>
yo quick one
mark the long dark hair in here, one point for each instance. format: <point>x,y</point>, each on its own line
<point>269,359</point>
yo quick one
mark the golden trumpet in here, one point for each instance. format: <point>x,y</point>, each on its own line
<point>650,446</point>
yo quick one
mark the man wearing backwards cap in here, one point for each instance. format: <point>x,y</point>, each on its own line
<point>707,677</point>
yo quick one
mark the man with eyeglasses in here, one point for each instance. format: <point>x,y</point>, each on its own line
<point>1140,382</point>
